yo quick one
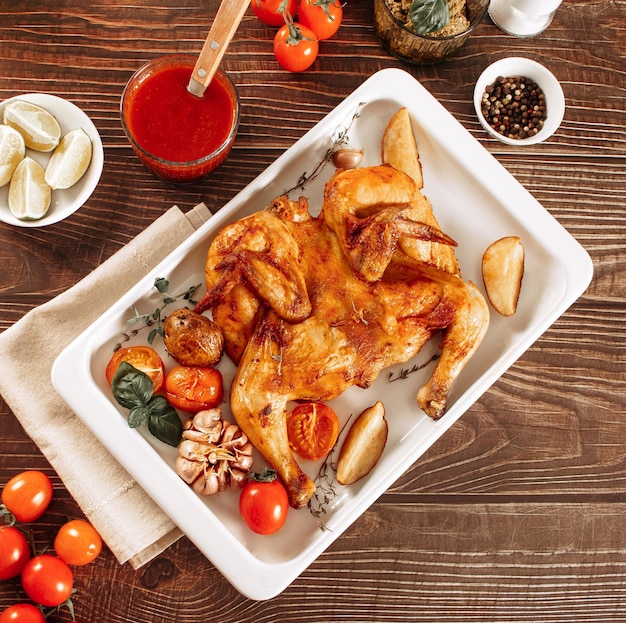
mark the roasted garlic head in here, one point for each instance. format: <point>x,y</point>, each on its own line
<point>214,454</point>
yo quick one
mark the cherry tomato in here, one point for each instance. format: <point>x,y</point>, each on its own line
<point>27,495</point>
<point>14,552</point>
<point>77,542</point>
<point>22,613</point>
<point>193,389</point>
<point>312,428</point>
<point>263,503</point>
<point>272,12</point>
<point>143,358</point>
<point>47,580</point>
<point>323,17</point>
<point>295,47</point>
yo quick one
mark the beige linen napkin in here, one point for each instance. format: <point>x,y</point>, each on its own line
<point>132,525</point>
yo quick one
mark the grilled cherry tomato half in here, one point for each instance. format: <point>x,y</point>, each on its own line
<point>272,12</point>
<point>47,580</point>
<point>22,613</point>
<point>77,542</point>
<point>192,389</point>
<point>143,358</point>
<point>263,503</point>
<point>14,552</point>
<point>295,47</point>
<point>323,17</point>
<point>312,428</point>
<point>27,495</point>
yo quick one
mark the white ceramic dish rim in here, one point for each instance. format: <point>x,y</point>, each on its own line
<point>64,202</point>
<point>520,66</point>
<point>248,572</point>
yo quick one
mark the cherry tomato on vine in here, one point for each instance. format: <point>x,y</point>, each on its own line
<point>77,542</point>
<point>14,552</point>
<point>312,428</point>
<point>193,389</point>
<point>263,503</point>
<point>295,47</point>
<point>323,17</point>
<point>22,613</point>
<point>47,580</point>
<point>272,12</point>
<point>27,495</point>
<point>143,358</point>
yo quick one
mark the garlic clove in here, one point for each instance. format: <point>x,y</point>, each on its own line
<point>347,158</point>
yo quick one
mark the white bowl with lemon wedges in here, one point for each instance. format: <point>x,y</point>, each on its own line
<point>51,159</point>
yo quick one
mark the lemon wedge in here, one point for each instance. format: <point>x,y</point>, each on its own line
<point>70,160</point>
<point>29,194</point>
<point>12,151</point>
<point>41,131</point>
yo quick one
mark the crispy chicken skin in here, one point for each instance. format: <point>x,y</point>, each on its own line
<point>370,210</point>
<point>311,306</point>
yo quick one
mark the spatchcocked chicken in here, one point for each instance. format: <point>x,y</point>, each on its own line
<point>310,306</point>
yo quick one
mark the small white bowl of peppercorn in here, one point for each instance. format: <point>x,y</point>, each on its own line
<point>519,101</point>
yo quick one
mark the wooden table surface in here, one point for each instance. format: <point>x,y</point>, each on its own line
<point>518,513</point>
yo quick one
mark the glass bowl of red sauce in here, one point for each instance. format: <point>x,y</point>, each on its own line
<point>179,137</point>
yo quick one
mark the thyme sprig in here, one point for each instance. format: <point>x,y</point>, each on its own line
<point>325,482</point>
<point>154,320</point>
<point>404,373</point>
<point>339,141</point>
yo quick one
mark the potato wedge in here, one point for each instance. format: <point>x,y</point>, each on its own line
<point>399,148</point>
<point>363,445</point>
<point>503,270</point>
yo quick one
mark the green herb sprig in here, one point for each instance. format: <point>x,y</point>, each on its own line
<point>338,141</point>
<point>154,319</point>
<point>134,390</point>
<point>404,372</point>
<point>325,482</point>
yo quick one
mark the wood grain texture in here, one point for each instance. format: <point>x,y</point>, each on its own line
<point>517,513</point>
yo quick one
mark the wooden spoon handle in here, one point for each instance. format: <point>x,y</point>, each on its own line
<point>226,22</point>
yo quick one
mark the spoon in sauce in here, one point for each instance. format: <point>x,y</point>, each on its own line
<point>226,22</point>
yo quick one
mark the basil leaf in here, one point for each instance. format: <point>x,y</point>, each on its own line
<point>158,405</point>
<point>138,416</point>
<point>131,387</point>
<point>429,15</point>
<point>166,426</point>
<point>134,390</point>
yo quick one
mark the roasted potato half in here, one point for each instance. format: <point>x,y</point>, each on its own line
<point>503,270</point>
<point>399,148</point>
<point>363,445</point>
<point>192,339</point>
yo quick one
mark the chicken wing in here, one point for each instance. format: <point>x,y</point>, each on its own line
<point>370,210</point>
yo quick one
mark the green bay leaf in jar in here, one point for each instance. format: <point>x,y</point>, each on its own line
<point>429,16</point>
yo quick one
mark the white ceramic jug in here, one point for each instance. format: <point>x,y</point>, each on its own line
<point>523,18</point>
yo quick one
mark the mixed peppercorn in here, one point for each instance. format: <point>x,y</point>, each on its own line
<point>514,107</point>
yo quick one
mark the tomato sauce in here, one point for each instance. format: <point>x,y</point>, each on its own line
<point>170,124</point>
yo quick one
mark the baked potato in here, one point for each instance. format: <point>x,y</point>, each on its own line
<point>192,339</point>
<point>363,446</point>
<point>399,148</point>
<point>503,271</point>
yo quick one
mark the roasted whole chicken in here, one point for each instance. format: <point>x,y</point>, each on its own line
<point>310,306</point>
